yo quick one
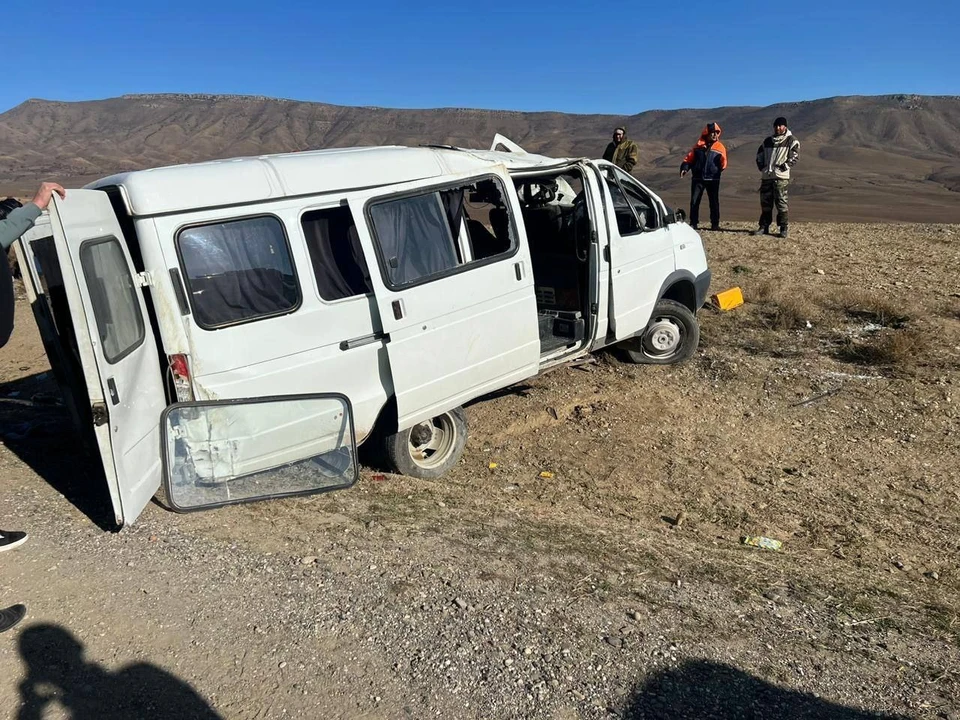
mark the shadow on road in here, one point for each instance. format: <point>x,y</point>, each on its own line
<point>36,427</point>
<point>710,691</point>
<point>57,674</point>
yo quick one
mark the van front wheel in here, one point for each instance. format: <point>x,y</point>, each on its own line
<point>430,448</point>
<point>671,336</point>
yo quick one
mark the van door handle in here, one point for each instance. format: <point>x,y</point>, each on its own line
<point>363,340</point>
<point>518,267</point>
<point>397,309</point>
<point>114,395</point>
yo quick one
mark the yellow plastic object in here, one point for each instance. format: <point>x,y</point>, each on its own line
<point>546,474</point>
<point>728,299</point>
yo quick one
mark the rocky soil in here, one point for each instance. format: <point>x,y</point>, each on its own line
<point>583,560</point>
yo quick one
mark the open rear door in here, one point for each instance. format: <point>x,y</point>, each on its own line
<point>117,350</point>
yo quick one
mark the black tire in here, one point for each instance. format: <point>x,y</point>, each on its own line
<point>409,451</point>
<point>671,336</point>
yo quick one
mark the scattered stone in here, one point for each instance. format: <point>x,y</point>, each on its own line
<point>308,560</point>
<point>614,641</point>
<point>461,603</point>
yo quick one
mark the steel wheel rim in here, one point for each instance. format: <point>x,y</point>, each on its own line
<point>432,441</point>
<point>662,339</point>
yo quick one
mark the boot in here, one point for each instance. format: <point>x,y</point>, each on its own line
<point>784,231</point>
<point>762,230</point>
<point>11,616</point>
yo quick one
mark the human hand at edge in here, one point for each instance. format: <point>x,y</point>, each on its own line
<point>46,191</point>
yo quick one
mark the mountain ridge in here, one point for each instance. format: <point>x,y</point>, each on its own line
<point>885,157</point>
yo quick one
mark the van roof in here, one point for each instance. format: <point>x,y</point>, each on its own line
<point>238,181</point>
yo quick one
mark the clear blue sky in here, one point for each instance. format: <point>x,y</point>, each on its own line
<point>569,56</point>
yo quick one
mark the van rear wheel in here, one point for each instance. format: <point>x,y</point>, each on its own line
<point>671,336</point>
<point>430,448</point>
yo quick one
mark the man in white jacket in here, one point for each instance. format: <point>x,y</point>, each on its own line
<point>775,156</point>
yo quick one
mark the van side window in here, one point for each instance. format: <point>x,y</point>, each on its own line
<point>335,253</point>
<point>642,205</point>
<point>238,271</point>
<point>627,223</point>
<point>635,211</point>
<point>113,297</point>
<point>434,233</point>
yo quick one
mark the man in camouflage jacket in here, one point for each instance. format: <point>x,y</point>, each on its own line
<point>775,156</point>
<point>622,152</point>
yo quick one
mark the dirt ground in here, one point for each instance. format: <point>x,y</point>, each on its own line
<point>822,413</point>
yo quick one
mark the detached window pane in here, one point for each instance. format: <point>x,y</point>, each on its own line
<point>238,271</point>
<point>113,296</point>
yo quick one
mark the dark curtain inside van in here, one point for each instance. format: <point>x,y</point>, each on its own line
<point>238,270</point>
<point>414,237</point>
<point>335,253</point>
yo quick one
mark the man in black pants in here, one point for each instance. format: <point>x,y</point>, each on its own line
<point>15,220</point>
<point>10,616</point>
<point>707,160</point>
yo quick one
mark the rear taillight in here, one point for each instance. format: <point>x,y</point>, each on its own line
<point>180,370</point>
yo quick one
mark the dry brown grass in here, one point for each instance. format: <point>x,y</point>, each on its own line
<point>764,292</point>
<point>951,309</point>
<point>895,349</point>
<point>784,310</point>
<point>869,307</point>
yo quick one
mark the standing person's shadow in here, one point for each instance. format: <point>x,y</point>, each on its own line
<point>57,673</point>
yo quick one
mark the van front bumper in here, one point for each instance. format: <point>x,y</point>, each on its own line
<point>701,285</point>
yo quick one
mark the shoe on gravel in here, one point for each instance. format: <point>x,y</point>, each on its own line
<point>9,539</point>
<point>11,616</point>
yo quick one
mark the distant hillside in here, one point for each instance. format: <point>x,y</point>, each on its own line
<point>887,157</point>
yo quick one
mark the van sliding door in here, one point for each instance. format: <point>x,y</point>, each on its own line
<point>117,349</point>
<point>454,288</point>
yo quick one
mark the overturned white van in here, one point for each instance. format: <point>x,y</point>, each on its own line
<point>233,329</point>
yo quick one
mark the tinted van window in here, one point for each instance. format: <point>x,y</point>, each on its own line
<point>238,271</point>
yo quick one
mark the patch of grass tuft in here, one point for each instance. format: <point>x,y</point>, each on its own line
<point>895,349</point>
<point>869,307</point>
<point>951,309</point>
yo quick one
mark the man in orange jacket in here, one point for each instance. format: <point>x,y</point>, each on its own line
<point>707,161</point>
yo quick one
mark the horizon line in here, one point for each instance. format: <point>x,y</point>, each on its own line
<point>269,98</point>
